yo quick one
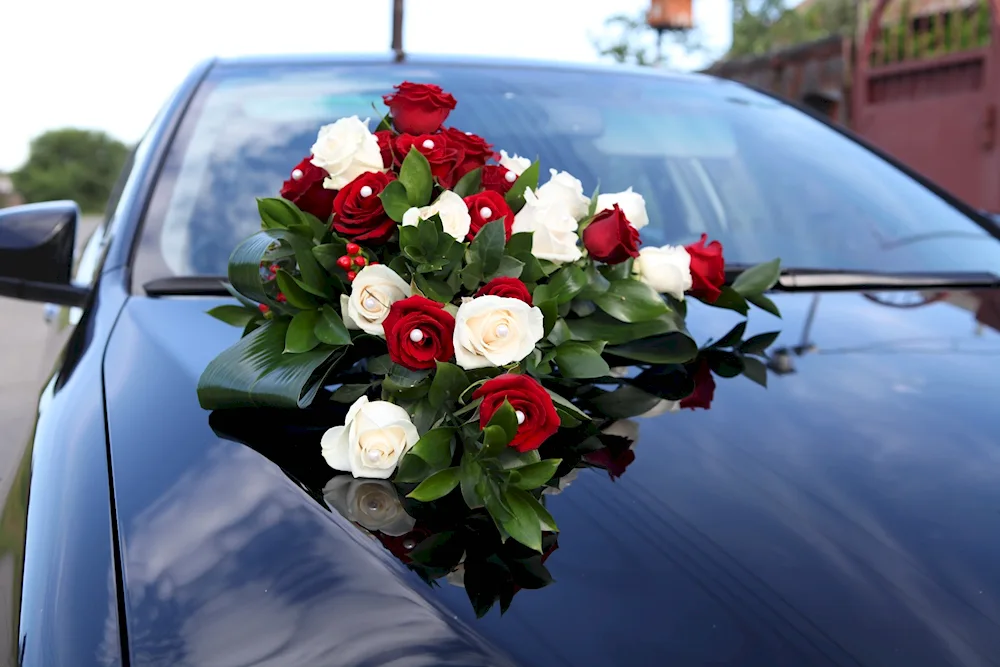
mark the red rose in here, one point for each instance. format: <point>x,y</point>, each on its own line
<point>475,150</point>
<point>610,237</point>
<point>439,151</point>
<point>496,178</point>
<point>419,332</point>
<point>510,288</point>
<point>704,388</point>
<point>358,212</point>
<point>307,191</point>
<point>419,108</point>
<point>385,138</point>
<point>488,206</point>
<point>708,269</point>
<point>528,398</point>
<point>613,460</point>
<point>401,546</point>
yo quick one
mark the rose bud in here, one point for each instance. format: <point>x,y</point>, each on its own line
<point>419,333</point>
<point>537,418</point>
<point>609,238</point>
<point>358,213</point>
<point>305,189</point>
<point>708,269</point>
<point>419,108</point>
<point>498,178</point>
<point>704,387</point>
<point>441,154</point>
<point>510,288</point>
<point>488,206</point>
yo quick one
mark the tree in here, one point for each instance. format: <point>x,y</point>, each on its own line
<point>629,39</point>
<point>81,165</point>
<point>766,25</point>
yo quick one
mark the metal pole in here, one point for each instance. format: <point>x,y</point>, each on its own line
<point>397,30</point>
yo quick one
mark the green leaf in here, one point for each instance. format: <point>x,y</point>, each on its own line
<point>316,226</point>
<point>348,393</point>
<point>296,296</point>
<point>764,304</point>
<point>472,481</point>
<point>592,208</point>
<point>328,254</point>
<point>412,469</point>
<point>415,175</point>
<point>567,406</point>
<point>300,337</point>
<point>427,235</point>
<point>534,475</point>
<point>725,364</point>
<point>579,360</point>
<point>244,266</point>
<point>330,328</point>
<point>631,301</point>
<point>730,299</point>
<point>255,372</point>
<point>758,279</point>
<point>448,384</point>
<point>434,447</point>
<point>544,518</point>
<point>624,402</point>
<point>506,418</point>
<point>486,249</point>
<point>436,486</point>
<point>510,267</point>
<point>734,336</point>
<point>400,378</point>
<point>550,313</point>
<point>620,271</point>
<point>528,179</point>
<point>755,370</point>
<point>563,286</point>
<point>759,343</point>
<point>237,316</point>
<point>603,327</point>
<point>395,200</point>
<point>433,288</point>
<point>560,333</point>
<point>671,348</point>
<point>524,526</point>
<point>469,184</point>
<point>380,365</point>
<point>494,441</point>
<point>596,285</point>
<point>276,213</point>
<point>520,243</point>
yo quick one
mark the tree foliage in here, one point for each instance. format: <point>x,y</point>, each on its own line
<point>70,163</point>
<point>628,39</point>
<point>761,26</point>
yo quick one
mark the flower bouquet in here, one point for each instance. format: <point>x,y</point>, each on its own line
<point>468,315</point>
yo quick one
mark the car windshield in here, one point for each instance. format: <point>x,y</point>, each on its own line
<point>709,156</point>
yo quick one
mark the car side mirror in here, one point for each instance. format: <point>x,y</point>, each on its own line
<point>36,253</point>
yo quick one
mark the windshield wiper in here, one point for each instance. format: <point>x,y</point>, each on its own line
<point>796,279</point>
<point>187,286</point>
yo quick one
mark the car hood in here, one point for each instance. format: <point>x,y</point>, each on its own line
<point>848,514</point>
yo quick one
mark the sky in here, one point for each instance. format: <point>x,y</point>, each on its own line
<point>110,64</point>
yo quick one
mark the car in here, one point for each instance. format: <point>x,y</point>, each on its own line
<point>848,514</point>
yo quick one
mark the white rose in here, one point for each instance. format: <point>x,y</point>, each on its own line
<point>373,291</point>
<point>514,163</point>
<point>374,436</point>
<point>567,190</point>
<point>623,428</point>
<point>346,149</point>
<point>666,269</point>
<point>663,406</point>
<point>495,331</point>
<point>554,227</point>
<point>455,218</point>
<point>371,503</point>
<point>631,203</point>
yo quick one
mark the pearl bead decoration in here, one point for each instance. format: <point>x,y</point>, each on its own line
<point>520,416</point>
<point>485,212</point>
<point>510,177</point>
<point>502,330</point>
<point>370,303</point>
<point>297,174</point>
<point>428,144</point>
<point>372,456</point>
<point>416,335</point>
<point>366,191</point>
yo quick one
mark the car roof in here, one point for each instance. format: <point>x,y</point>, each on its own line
<point>251,61</point>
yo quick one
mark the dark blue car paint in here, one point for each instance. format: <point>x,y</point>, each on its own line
<point>847,515</point>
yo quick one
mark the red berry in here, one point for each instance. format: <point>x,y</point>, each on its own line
<point>263,308</point>
<point>353,248</point>
<point>274,268</point>
<point>282,298</point>
<point>372,263</point>
<point>360,261</point>
<point>351,275</point>
<point>344,262</point>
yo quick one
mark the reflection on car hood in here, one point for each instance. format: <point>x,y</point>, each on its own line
<point>849,514</point>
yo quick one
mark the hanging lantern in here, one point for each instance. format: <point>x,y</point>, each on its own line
<point>669,15</point>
